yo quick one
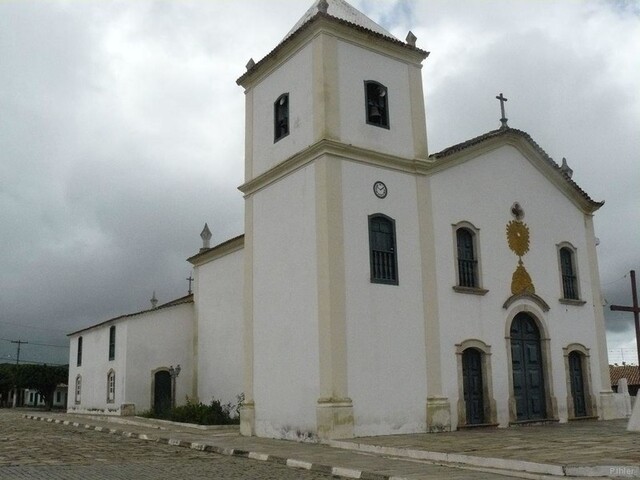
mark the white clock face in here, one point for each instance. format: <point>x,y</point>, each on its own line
<point>380,189</point>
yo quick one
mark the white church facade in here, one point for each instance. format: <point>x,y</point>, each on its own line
<point>377,289</point>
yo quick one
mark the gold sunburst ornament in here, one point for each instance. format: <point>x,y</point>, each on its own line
<point>518,240</point>
<point>518,237</point>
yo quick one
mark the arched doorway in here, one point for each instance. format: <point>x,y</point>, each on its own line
<point>527,367</point>
<point>577,384</point>
<point>161,391</point>
<point>472,386</point>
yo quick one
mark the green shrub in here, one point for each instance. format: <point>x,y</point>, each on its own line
<point>213,414</point>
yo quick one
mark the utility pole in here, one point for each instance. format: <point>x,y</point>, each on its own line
<point>19,342</point>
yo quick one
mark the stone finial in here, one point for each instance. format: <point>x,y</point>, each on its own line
<point>250,64</point>
<point>564,168</point>
<point>154,300</point>
<point>205,235</point>
<point>623,386</point>
<point>323,6</point>
<point>411,39</point>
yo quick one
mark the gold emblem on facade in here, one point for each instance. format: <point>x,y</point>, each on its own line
<point>518,237</point>
<point>518,241</point>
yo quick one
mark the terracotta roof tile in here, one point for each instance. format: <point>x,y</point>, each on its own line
<point>630,372</point>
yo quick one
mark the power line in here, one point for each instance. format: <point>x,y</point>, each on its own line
<point>39,344</point>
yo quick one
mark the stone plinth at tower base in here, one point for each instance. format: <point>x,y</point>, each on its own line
<point>438,415</point>
<point>248,419</point>
<point>634,421</point>
<point>610,406</point>
<point>335,418</point>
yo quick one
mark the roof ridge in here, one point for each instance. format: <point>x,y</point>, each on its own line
<point>173,303</point>
<point>341,10</point>
<point>508,130</point>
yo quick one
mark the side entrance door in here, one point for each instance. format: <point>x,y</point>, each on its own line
<point>472,384</point>
<point>528,378</point>
<point>577,384</point>
<point>162,392</point>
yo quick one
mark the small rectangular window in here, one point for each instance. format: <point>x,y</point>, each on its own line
<point>79,359</point>
<point>377,104</point>
<point>281,117</point>
<point>112,343</point>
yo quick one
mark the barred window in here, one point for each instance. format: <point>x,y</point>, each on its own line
<point>467,261</point>
<point>568,272</point>
<point>382,248</point>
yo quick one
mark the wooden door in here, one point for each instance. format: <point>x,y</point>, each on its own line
<point>473,387</point>
<point>577,384</point>
<point>528,378</point>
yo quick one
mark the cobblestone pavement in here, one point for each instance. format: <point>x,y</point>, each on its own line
<point>31,449</point>
<point>588,442</point>
<point>39,450</point>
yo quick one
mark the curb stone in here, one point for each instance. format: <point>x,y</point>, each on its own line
<point>336,471</point>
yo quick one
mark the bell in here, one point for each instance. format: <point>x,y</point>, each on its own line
<point>374,113</point>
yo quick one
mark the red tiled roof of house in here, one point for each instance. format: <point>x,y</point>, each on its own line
<point>630,372</point>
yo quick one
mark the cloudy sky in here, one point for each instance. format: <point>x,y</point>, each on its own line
<point>121,133</point>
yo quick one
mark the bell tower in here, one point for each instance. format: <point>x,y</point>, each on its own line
<point>337,94</point>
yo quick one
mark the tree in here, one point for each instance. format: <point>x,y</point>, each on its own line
<point>42,378</point>
<point>7,375</point>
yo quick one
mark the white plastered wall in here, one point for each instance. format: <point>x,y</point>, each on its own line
<point>293,77</point>
<point>385,323</point>
<point>458,195</point>
<point>355,65</point>
<point>94,369</point>
<point>286,378</point>
<point>144,342</point>
<point>219,336</point>
<point>159,339</point>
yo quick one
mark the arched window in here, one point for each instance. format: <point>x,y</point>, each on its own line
<point>79,355</point>
<point>377,104</point>
<point>569,274</point>
<point>382,248</point>
<point>281,117</point>
<point>78,393</point>
<point>467,261</point>
<point>111,386</point>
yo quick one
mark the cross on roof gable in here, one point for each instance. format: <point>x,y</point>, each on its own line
<point>342,10</point>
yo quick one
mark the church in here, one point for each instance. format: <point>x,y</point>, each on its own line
<point>378,288</point>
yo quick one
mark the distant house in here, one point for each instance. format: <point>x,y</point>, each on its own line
<point>33,399</point>
<point>630,372</point>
